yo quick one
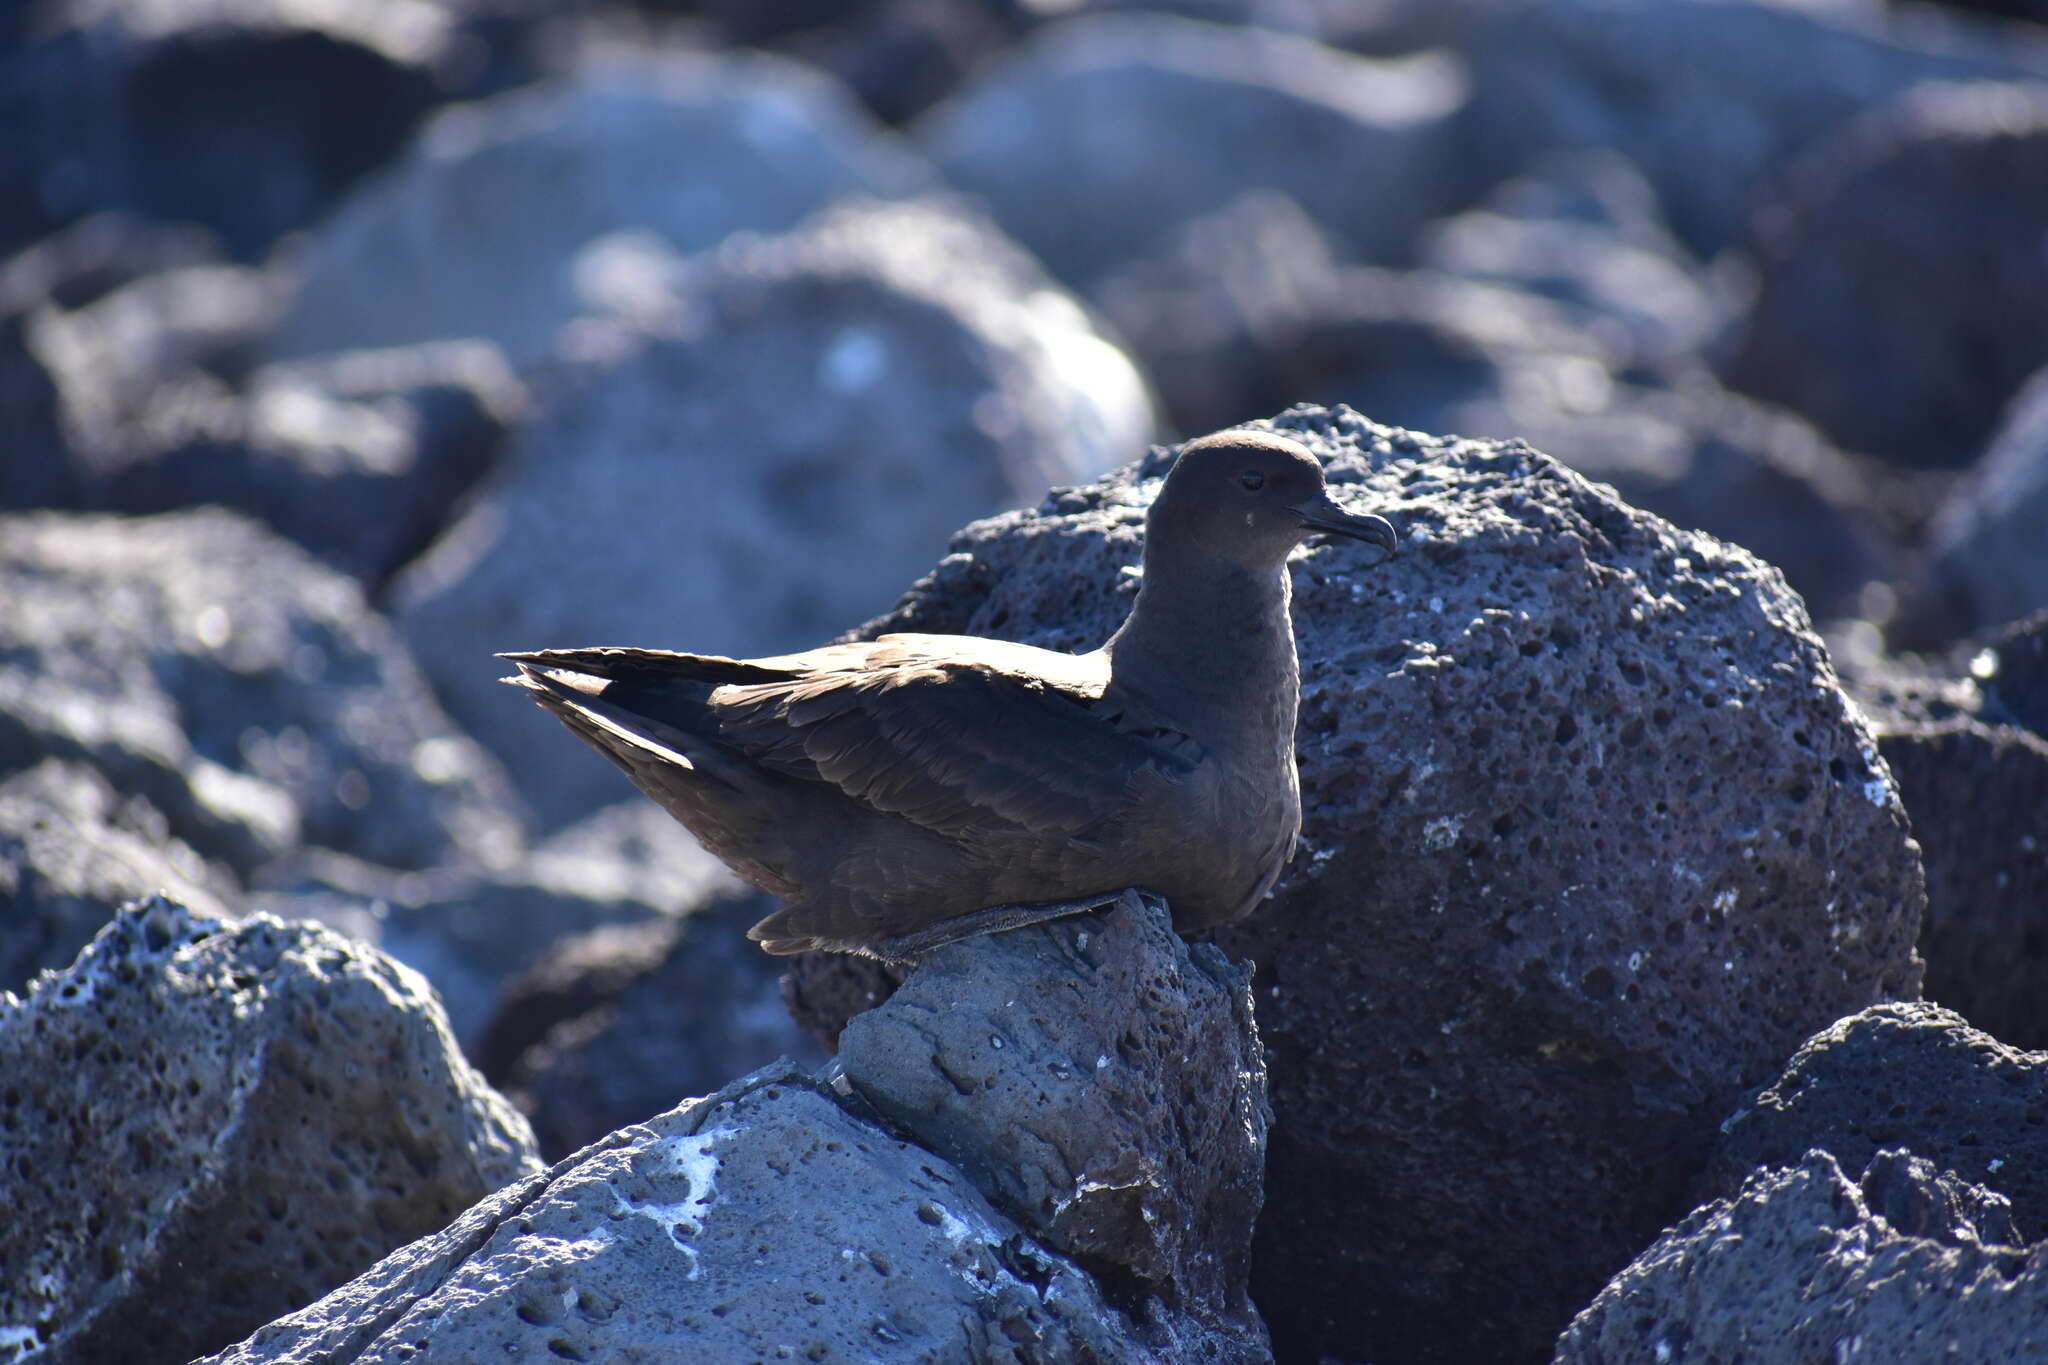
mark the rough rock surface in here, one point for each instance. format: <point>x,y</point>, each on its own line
<point>1102,1083</point>
<point>1806,1264</point>
<point>1592,840</point>
<point>72,852</point>
<point>1639,79</point>
<point>1927,208</point>
<point>1097,137</point>
<point>1978,798</point>
<point>1906,1075</point>
<point>203,1126</point>
<point>761,1222</point>
<point>687,149</point>
<point>612,1026</point>
<point>859,388</point>
<point>1985,543</point>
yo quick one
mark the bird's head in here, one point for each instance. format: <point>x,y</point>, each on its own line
<point>1252,496</point>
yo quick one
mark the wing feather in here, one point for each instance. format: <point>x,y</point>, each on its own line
<point>946,742</point>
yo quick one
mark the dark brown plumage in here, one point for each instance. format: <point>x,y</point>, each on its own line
<point>913,789</point>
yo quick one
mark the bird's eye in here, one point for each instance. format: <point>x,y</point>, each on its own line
<point>1253,480</point>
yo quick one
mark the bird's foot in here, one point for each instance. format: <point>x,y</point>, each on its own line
<point>908,949</point>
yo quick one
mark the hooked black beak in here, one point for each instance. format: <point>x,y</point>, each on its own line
<point>1321,514</point>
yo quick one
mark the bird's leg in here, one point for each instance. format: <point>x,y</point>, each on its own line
<point>907,949</point>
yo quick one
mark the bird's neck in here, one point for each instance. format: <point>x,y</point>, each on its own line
<point>1217,639</point>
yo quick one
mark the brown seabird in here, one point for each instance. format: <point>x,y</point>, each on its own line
<point>912,790</point>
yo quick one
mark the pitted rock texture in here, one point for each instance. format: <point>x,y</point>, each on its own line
<point>246,691</point>
<point>1101,1082</point>
<point>530,179</point>
<point>762,1222</point>
<point>1592,840</point>
<point>1978,798</point>
<point>72,852</point>
<point>1916,1076</point>
<point>860,388</point>
<point>1804,1265</point>
<point>203,1126</point>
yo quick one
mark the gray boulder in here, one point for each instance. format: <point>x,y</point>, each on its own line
<point>360,457</point>
<point>1976,794</point>
<point>201,111</point>
<point>783,435</point>
<point>2017,660</point>
<point>1097,138</point>
<point>1903,1075</point>
<point>72,852</point>
<point>203,1126</point>
<point>244,690</point>
<point>1559,311</point>
<point>688,148</point>
<point>1900,280</point>
<point>1806,1264</point>
<point>1047,1147</point>
<point>611,1026</point>
<point>1988,557</point>
<point>1592,840</point>
<point>1635,78</point>
<point>1102,1083</point>
<point>472,932</point>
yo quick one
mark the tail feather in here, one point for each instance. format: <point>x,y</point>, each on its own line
<point>617,663</point>
<point>603,724</point>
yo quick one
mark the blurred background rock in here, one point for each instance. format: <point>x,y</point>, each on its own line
<point>342,345</point>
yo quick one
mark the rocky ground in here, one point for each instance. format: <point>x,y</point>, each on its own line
<point>1658,972</point>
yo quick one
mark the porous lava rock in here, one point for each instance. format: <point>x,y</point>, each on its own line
<point>782,435</point>
<point>1096,138</point>
<point>203,1126</point>
<point>1807,1264</point>
<point>1978,798</point>
<point>72,852</point>
<point>1903,1075</point>
<point>246,691</point>
<point>1592,839</point>
<point>1925,208</point>
<point>1101,1082</point>
<point>760,1221</point>
<point>684,149</point>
